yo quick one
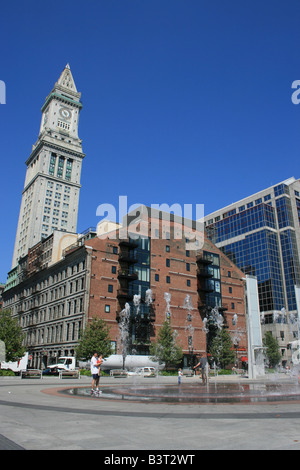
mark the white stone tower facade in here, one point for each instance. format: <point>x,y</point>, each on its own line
<point>50,196</point>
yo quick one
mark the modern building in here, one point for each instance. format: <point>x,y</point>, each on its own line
<point>52,183</point>
<point>261,235</point>
<point>102,274</point>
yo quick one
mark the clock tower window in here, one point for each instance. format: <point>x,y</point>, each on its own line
<point>63,125</point>
<point>69,169</point>
<point>52,164</point>
<point>60,167</point>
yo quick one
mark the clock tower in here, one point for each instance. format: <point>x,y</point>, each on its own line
<point>50,196</point>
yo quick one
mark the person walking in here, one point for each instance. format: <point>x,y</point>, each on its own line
<point>95,372</point>
<point>98,364</point>
<point>203,367</point>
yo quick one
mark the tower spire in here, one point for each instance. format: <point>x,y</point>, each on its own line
<point>66,80</point>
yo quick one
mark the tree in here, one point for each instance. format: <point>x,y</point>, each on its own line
<point>165,349</point>
<point>272,349</point>
<point>12,336</point>
<point>94,338</point>
<point>222,348</point>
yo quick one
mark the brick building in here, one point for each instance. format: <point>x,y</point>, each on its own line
<point>156,275</point>
<point>124,270</point>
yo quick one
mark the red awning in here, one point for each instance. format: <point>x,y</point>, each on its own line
<point>244,359</point>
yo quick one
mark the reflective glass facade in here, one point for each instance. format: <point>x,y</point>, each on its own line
<point>244,222</point>
<point>261,235</point>
<point>258,255</point>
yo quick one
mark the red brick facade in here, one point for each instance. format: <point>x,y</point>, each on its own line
<point>173,270</point>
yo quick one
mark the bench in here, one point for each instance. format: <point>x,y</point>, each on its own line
<point>188,372</point>
<point>119,373</point>
<point>35,373</point>
<point>73,374</point>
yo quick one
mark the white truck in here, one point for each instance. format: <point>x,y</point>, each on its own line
<point>62,363</point>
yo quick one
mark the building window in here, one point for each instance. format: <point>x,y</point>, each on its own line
<point>115,250</point>
<point>232,305</point>
<point>168,280</point>
<point>188,266</point>
<point>113,269</point>
<point>69,169</point>
<point>107,308</point>
<point>60,168</point>
<point>52,164</point>
<point>230,290</point>
<point>188,283</point>
<point>63,125</point>
<point>110,288</point>
<point>168,262</point>
<point>168,248</point>
<point>157,277</point>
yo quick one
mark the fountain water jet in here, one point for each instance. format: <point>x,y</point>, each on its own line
<point>167,298</point>
<point>124,330</point>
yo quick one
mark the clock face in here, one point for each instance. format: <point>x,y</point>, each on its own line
<point>65,113</point>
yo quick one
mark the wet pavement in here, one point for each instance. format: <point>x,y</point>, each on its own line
<point>196,393</point>
<point>135,414</point>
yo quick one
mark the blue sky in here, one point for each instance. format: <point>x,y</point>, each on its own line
<point>184,101</point>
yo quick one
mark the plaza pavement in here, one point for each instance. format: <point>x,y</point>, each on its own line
<point>33,416</point>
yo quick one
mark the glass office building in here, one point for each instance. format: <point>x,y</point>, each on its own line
<point>261,234</point>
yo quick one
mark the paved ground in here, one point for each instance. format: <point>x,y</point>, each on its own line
<point>34,416</point>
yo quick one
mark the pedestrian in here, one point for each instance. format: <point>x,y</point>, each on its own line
<point>203,367</point>
<point>95,372</point>
<point>179,376</point>
<point>99,362</point>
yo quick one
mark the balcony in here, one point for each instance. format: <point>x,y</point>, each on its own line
<point>126,274</point>
<point>124,294</point>
<point>128,257</point>
<point>129,243</point>
<point>203,273</point>
<point>200,260</point>
<point>202,289</point>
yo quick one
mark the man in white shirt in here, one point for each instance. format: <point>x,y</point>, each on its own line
<point>95,372</point>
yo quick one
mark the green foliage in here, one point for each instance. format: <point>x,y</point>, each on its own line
<point>95,338</point>
<point>221,349</point>
<point>165,349</point>
<point>7,373</point>
<point>12,336</point>
<point>272,349</point>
